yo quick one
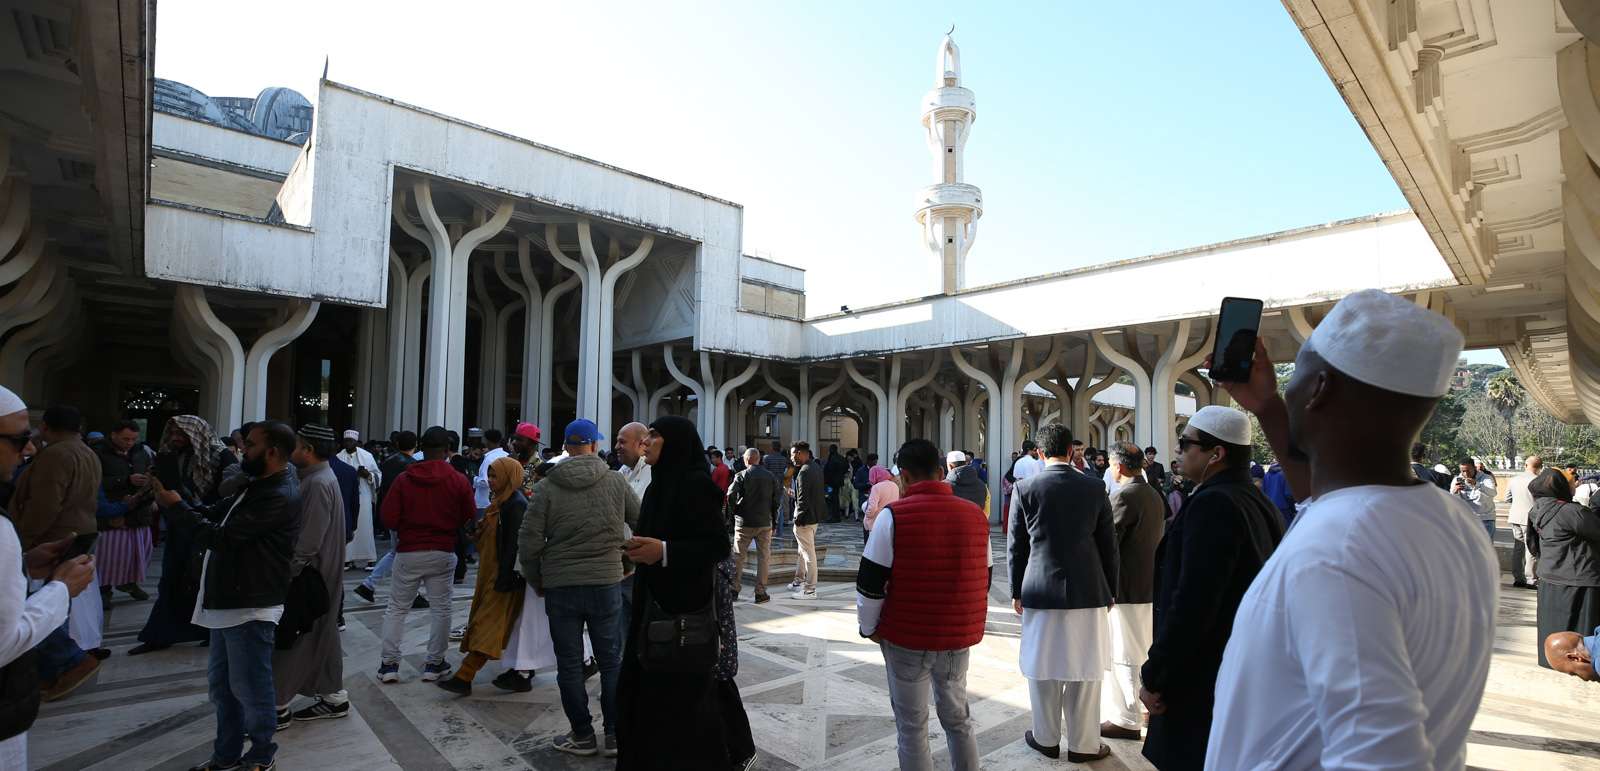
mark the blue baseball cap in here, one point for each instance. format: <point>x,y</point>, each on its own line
<point>582,431</point>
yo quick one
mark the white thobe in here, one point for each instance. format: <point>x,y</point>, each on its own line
<point>362,548</point>
<point>1364,641</point>
<point>25,620</point>
<point>480,484</point>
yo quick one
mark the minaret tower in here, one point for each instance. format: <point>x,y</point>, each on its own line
<point>949,210</point>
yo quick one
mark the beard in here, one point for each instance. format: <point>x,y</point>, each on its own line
<point>254,467</point>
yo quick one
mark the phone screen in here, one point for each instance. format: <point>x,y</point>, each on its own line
<point>166,470</point>
<point>83,544</point>
<point>1235,347</point>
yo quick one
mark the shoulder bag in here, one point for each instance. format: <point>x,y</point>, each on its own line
<point>687,643</point>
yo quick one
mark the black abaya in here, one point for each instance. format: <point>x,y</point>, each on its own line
<point>675,720</point>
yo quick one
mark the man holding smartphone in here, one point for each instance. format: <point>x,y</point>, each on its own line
<point>25,619</point>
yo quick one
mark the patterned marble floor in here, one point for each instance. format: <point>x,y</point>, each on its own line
<point>814,691</point>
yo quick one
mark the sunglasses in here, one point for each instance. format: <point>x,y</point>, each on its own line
<point>20,441</point>
<point>1184,442</point>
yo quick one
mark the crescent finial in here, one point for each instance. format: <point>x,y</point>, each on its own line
<point>952,31</point>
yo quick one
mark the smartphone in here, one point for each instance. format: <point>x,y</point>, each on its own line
<point>166,469</point>
<point>629,545</point>
<point>1235,347</point>
<point>80,546</point>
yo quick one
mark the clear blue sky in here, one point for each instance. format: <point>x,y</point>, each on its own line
<point>1105,130</point>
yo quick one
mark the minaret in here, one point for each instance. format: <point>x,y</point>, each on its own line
<point>949,210</point>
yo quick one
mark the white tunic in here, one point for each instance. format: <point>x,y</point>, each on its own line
<point>1072,645</point>
<point>1364,641</point>
<point>530,646</point>
<point>362,547</point>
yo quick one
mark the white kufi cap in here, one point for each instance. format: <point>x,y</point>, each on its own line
<point>955,456</point>
<point>1389,342</point>
<point>1229,425</point>
<point>10,402</point>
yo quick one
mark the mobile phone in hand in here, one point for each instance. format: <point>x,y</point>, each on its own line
<point>80,546</point>
<point>1235,349</point>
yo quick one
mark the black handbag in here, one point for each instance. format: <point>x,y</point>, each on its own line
<point>687,643</point>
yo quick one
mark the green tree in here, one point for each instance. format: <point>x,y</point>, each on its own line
<point>1442,430</point>
<point>1505,396</point>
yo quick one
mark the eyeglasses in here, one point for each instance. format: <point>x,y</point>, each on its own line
<point>19,440</point>
<point>1184,442</point>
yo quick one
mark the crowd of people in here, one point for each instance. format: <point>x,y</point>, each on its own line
<point>1169,604</point>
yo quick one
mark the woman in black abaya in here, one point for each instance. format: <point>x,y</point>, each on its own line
<point>1569,559</point>
<point>676,720</point>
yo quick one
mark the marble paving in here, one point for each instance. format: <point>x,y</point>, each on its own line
<point>815,693</point>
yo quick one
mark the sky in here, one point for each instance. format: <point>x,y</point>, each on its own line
<point>1105,130</point>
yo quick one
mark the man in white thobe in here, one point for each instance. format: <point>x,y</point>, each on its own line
<point>480,485</point>
<point>361,549</point>
<point>1364,641</point>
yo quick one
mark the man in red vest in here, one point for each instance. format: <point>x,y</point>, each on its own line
<point>923,591</point>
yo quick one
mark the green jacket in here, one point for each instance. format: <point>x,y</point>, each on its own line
<point>573,525</point>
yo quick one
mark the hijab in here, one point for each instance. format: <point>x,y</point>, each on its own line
<point>507,481</point>
<point>678,465</point>
<point>1551,483</point>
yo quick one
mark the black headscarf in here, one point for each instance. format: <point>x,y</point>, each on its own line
<point>1551,483</point>
<point>681,452</point>
<point>682,506</point>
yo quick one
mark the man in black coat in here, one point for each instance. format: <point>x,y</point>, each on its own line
<point>1064,564</point>
<point>809,501</point>
<point>834,472</point>
<point>754,496</point>
<point>1204,564</point>
<point>249,541</point>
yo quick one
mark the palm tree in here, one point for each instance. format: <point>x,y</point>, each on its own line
<point>1505,395</point>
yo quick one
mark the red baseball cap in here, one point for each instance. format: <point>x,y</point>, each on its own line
<point>527,430</point>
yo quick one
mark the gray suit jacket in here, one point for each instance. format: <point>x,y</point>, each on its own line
<point>1138,516</point>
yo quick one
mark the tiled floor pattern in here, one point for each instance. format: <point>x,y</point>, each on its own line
<point>813,689</point>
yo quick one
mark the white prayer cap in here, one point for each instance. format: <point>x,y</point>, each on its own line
<point>1229,425</point>
<point>352,434</point>
<point>1389,342</point>
<point>10,402</point>
<point>955,456</point>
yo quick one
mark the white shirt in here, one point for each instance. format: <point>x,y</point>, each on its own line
<point>25,620</point>
<point>1027,466</point>
<point>480,485</point>
<point>1364,642</point>
<point>221,618</point>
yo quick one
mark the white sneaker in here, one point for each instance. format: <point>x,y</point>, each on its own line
<point>796,585</point>
<point>803,594</point>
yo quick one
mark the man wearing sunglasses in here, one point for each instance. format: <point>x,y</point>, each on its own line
<point>1210,554</point>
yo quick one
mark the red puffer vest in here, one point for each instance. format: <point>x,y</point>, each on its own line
<point>938,593</point>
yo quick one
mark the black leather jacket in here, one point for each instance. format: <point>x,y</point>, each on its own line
<point>251,543</point>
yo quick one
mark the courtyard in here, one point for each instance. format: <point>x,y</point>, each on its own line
<point>814,690</point>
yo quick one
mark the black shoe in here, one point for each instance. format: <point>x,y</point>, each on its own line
<point>323,711</point>
<point>366,594</point>
<point>212,765</point>
<point>590,668</point>
<point>419,603</point>
<point>1049,752</point>
<point>1521,585</point>
<point>511,680</point>
<point>285,718</point>
<point>133,590</point>
<point>456,686</point>
<point>1085,757</point>
<point>763,598</point>
<point>143,648</point>
<point>99,653</point>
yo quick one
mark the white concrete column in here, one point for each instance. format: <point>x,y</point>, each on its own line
<point>796,408</point>
<point>1171,366</point>
<point>994,448</point>
<point>1085,391</point>
<point>883,434</point>
<point>205,363</point>
<point>904,392</point>
<point>411,375</point>
<point>803,420</point>
<point>1141,377</point>
<point>491,353</point>
<point>52,328</point>
<point>533,317</point>
<point>444,382</point>
<point>720,431</point>
<point>596,369</point>
<point>1017,381</point>
<point>695,386</point>
<point>814,408</point>
<point>39,291</point>
<point>301,313</point>
<point>547,348</point>
<point>201,322</point>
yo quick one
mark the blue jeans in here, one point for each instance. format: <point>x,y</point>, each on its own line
<point>570,608</point>
<point>1490,524</point>
<point>240,676</point>
<point>57,653</point>
<point>381,570</point>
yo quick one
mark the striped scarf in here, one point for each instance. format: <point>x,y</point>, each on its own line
<point>201,463</point>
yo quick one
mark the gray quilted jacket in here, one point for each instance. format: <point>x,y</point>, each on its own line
<point>573,526</point>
